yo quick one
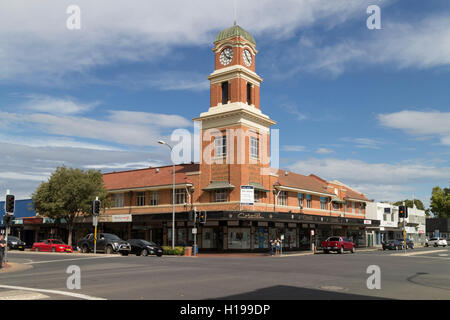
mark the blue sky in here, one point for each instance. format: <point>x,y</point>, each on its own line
<point>369,108</point>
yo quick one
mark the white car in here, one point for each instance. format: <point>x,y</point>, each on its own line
<point>436,242</point>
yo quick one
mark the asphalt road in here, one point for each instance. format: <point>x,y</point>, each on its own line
<point>420,274</point>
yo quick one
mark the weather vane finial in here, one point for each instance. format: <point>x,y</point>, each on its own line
<point>235,12</point>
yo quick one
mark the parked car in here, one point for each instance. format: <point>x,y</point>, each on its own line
<point>51,245</point>
<point>15,243</point>
<point>144,248</point>
<point>436,242</point>
<point>338,244</point>
<point>106,242</point>
<point>392,245</point>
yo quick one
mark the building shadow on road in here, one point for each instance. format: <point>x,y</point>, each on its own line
<point>296,293</point>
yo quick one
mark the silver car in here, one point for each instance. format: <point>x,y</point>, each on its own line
<point>436,242</point>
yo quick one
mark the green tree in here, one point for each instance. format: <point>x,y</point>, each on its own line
<point>409,204</point>
<point>69,193</point>
<point>440,202</point>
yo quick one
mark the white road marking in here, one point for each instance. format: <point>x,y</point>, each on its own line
<point>74,259</point>
<point>63,293</point>
<point>415,253</point>
<point>21,295</point>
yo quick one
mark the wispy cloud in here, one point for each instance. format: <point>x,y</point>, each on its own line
<point>324,151</point>
<point>293,148</point>
<point>364,143</point>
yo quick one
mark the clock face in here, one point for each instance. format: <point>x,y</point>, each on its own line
<point>226,56</point>
<point>247,58</point>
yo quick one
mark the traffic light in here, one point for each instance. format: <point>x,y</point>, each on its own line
<point>193,215</point>
<point>202,218</point>
<point>403,212</point>
<point>96,207</point>
<point>9,204</point>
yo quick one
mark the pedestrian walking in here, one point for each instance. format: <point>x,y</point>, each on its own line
<point>2,250</point>
<point>278,245</point>
<point>272,246</point>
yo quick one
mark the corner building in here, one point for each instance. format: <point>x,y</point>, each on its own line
<point>234,152</point>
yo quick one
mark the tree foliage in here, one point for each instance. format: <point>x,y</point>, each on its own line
<point>409,204</point>
<point>440,202</point>
<point>69,193</point>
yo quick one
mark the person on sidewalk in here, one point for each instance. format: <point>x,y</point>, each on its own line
<point>2,250</point>
<point>272,246</point>
<point>278,245</point>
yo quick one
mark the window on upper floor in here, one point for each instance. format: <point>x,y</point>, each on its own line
<point>118,199</point>
<point>220,146</point>
<point>249,94</point>
<point>282,198</point>
<point>140,199</point>
<point>300,200</point>
<point>353,207</point>
<point>254,147</point>
<point>220,195</point>
<point>336,206</point>
<point>323,203</point>
<point>225,98</point>
<point>308,201</point>
<point>154,198</point>
<point>180,196</point>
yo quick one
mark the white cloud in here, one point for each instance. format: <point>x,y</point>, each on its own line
<point>376,180</point>
<point>37,47</point>
<point>364,143</point>
<point>54,105</point>
<point>418,45</point>
<point>419,123</point>
<point>324,151</point>
<point>125,166</point>
<point>294,148</point>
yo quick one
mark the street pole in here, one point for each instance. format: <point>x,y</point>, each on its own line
<point>195,234</point>
<point>404,229</point>
<point>95,218</point>
<point>173,195</point>
<point>5,258</point>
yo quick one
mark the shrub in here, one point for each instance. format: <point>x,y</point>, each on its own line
<point>177,251</point>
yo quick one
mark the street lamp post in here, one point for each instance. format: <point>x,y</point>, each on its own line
<point>173,196</point>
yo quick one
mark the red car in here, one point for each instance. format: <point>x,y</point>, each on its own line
<point>338,244</point>
<point>52,245</point>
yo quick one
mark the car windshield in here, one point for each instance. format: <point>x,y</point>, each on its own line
<point>111,236</point>
<point>333,239</point>
<point>433,239</point>
<point>13,238</point>
<point>57,242</point>
<point>148,243</point>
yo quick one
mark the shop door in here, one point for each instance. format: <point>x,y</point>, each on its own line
<point>209,240</point>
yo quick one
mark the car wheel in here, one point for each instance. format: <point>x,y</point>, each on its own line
<point>37,249</point>
<point>144,253</point>
<point>109,250</point>
<point>353,250</point>
<point>124,253</point>
<point>85,249</point>
<point>53,249</point>
<point>341,251</point>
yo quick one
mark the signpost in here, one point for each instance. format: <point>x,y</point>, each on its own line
<point>247,195</point>
<point>8,218</point>
<point>96,204</point>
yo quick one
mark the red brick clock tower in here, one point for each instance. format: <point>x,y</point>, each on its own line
<point>234,131</point>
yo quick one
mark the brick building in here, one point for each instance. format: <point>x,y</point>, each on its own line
<point>235,152</point>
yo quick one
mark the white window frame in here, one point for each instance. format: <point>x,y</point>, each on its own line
<point>119,200</point>
<point>254,147</point>
<point>220,195</point>
<point>180,196</point>
<point>140,199</point>
<point>282,198</point>
<point>220,147</point>
<point>153,198</point>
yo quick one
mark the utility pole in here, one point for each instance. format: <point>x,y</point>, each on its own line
<point>404,229</point>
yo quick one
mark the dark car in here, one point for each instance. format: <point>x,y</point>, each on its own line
<point>392,245</point>
<point>144,248</point>
<point>106,242</point>
<point>409,243</point>
<point>15,243</point>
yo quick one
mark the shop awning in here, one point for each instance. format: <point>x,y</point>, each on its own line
<point>258,187</point>
<point>217,185</point>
